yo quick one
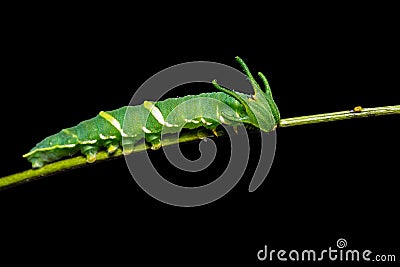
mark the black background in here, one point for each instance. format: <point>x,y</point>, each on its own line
<point>328,181</point>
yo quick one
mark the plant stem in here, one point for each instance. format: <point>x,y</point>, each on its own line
<point>80,161</point>
<point>341,115</point>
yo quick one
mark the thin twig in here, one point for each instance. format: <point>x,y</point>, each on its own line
<point>357,112</point>
<point>80,161</point>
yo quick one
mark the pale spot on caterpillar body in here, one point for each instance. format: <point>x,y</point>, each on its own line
<point>194,121</point>
<point>221,119</point>
<point>103,137</point>
<point>170,125</point>
<point>146,130</point>
<point>205,122</point>
<point>87,142</point>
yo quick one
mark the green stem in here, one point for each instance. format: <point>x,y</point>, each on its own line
<point>341,115</point>
<point>80,161</point>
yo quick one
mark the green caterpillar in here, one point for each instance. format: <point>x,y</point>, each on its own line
<point>108,131</point>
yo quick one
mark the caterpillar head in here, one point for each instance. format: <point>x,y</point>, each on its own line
<point>261,110</point>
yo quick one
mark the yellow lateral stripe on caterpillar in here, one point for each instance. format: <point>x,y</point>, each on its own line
<point>47,148</point>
